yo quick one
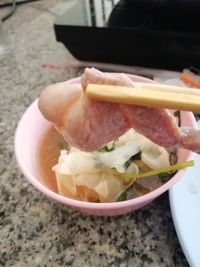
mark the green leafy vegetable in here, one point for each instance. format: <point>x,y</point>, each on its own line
<point>166,176</point>
<point>134,157</point>
<point>108,149</point>
<point>122,197</point>
<point>175,167</point>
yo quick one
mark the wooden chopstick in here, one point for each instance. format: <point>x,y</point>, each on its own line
<point>148,94</point>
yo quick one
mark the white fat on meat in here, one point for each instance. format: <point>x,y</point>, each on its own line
<point>56,99</point>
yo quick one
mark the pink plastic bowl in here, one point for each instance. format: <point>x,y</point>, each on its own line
<point>30,128</point>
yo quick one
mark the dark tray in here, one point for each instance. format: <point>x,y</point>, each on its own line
<point>128,46</point>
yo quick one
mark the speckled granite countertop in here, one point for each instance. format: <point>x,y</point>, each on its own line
<point>35,231</point>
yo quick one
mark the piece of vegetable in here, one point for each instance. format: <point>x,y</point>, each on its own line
<point>155,156</point>
<point>189,78</point>
<point>95,161</point>
<point>122,197</point>
<point>107,148</point>
<point>142,166</point>
<point>175,167</point>
<point>106,175</point>
<point>166,176</point>
<point>134,157</point>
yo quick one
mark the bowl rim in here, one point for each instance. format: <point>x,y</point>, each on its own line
<point>83,204</point>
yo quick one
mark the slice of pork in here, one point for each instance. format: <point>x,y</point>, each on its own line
<point>88,125</point>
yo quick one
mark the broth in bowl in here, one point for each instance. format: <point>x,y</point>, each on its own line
<point>52,143</point>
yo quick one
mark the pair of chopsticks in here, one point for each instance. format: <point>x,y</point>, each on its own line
<point>148,94</point>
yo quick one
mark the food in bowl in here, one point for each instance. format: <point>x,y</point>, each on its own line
<point>109,152</point>
<point>120,170</point>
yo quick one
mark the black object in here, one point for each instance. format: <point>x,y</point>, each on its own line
<point>10,12</point>
<point>159,34</point>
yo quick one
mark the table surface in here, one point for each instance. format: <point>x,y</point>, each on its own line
<point>34,230</point>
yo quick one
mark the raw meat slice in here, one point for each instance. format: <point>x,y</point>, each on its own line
<point>88,125</point>
<point>91,124</point>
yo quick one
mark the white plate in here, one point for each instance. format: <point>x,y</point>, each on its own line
<point>185,207</point>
